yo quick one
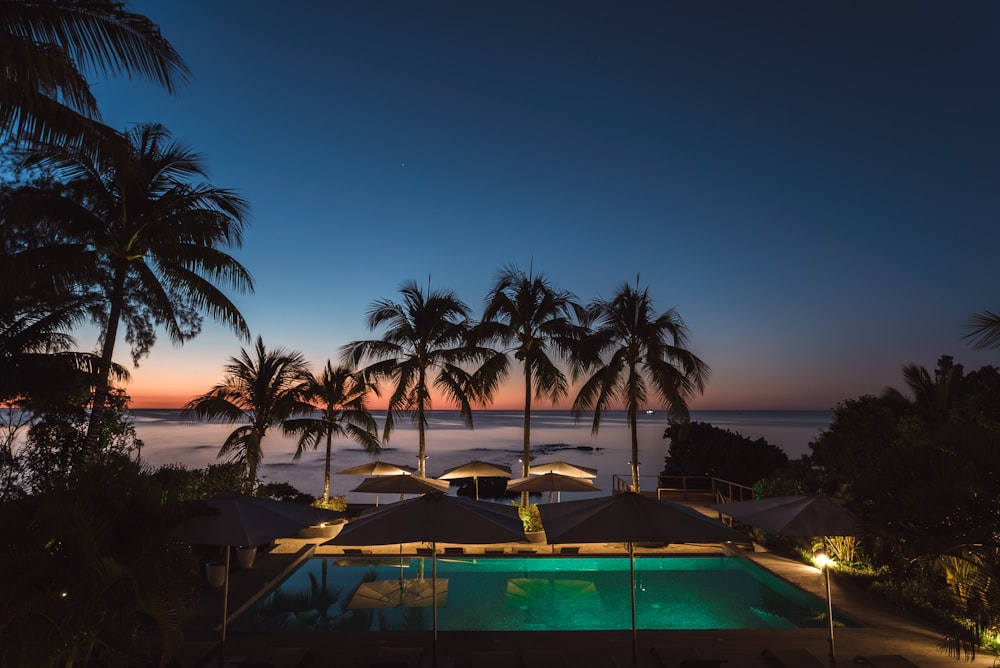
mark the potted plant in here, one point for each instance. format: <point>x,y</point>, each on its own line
<point>532,520</point>
<point>215,573</point>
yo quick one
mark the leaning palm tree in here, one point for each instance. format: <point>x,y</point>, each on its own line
<point>340,395</point>
<point>263,388</point>
<point>153,241</point>
<point>424,345</point>
<point>645,352</point>
<point>530,319</point>
<point>49,46</point>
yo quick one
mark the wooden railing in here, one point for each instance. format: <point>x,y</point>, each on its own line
<point>686,487</point>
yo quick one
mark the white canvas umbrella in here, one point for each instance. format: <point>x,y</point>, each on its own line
<point>563,468</point>
<point>475,469</point>
<point>378,468</point>
<point>552,482</point>
<point>630,518</point>
<point>811,515</point>
<point>434,518</point>
<point>401,484</point>
<point>246,521</point>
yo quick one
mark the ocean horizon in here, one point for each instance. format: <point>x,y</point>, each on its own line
<point>496,437</point>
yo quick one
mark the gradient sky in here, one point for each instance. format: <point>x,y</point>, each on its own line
<point>814,186</point>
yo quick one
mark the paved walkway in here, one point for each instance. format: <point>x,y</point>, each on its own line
<point>881,630</point>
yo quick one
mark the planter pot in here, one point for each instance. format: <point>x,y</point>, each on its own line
<point>215,573</point>
<point>245,556</point>
<point>535,536</point>
<point>321,531</point>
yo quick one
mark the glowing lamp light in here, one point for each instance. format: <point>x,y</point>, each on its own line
<point>822,559</point>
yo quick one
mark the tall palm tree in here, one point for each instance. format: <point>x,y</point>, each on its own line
<point>263,388</point>
<point>424,345</point>
<point>49,45</point>
<point>154,241</point>
<point>646,353</point>
<point>529,318</point>
<point>983,329</point>
<point>341,397</point>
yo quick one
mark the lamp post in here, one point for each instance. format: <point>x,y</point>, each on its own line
<point>823,561</point>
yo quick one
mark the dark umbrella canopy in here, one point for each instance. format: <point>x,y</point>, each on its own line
<point>248,521</point>
<point>401,484</point>
<point>815,515</point>
<point>434,518</point>
<point>630,518</point>
<point>551,482</point>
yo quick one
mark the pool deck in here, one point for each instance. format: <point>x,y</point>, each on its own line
<point>881,629</point>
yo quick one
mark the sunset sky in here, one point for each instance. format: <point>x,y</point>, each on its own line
<point>814,186</point>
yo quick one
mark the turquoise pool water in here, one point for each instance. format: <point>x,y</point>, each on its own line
<point>532,593</point>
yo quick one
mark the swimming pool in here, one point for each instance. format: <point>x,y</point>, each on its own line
<point>532,594</point>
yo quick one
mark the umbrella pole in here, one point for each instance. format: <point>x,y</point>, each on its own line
<point>475,479</point>
<point>434,602</point>
<point>225,611</point>
<point>829,604</point>
<point>631,575</point>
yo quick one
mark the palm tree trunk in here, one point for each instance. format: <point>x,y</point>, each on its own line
<point>633,428</point>
<point>421,398</point>
<point>92,442</point>
<point>526,455</point>
<point>326,473</point>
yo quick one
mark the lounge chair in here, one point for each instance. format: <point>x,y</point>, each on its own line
<point>397,657</point>
<point>492,658</point>
<point>793,658</point>
<point>543,658</point>
<point>682,657</point>
<point>278,657</point>
<point>885,661</point>
<point>354,551</point>
<point>454,551</point>
<point>493,551</point>
<point>569,550</point>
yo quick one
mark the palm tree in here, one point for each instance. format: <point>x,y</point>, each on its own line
<point>645,352</point>
<point>263,388</point>
<point>341,398</point>
<point>983,329</point>
<point>425,343</point>
<point>529,318</point>
<point>47,47</point>
<point>154,242</point>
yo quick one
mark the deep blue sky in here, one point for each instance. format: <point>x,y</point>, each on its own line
<point>814,186</point>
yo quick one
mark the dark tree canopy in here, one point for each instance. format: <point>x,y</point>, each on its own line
<point>698,448</point>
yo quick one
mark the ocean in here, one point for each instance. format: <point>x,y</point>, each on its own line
<point>496,438</point>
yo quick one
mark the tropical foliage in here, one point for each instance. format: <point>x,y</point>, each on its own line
<point>635,356</point>
<point>540,325</point>
<point>340,396</point>
<point>425,345</point>
<point>698,448</point>
<point>263,388</point>
<point>131,222</point>
<point>50,46</point>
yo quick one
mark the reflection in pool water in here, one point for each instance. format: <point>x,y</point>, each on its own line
<point>532,593</point>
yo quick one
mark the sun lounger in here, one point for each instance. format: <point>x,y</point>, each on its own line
<point>569,550</point>
<point>492,658</point>
<point>454,551</point>
<point>682,657</point>
<point>793,658</point>
<point>493,551</point>
<point>885,661</point>
<point>397,657</point>
<point>353,550</point>
<point>543,658</point>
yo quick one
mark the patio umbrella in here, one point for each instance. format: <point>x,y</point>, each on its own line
<point>248,521</point>
<point>475,469</point>
<point>434,518</point>
<point>377,468</point>
<point>551,482</point>
<point>401,593</point>
<point>812,515</point>
<point>630,518</point>
<point>403,484</point>
<point>563,468</point>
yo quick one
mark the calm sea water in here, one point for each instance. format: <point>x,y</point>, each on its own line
<point>496,438</point>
